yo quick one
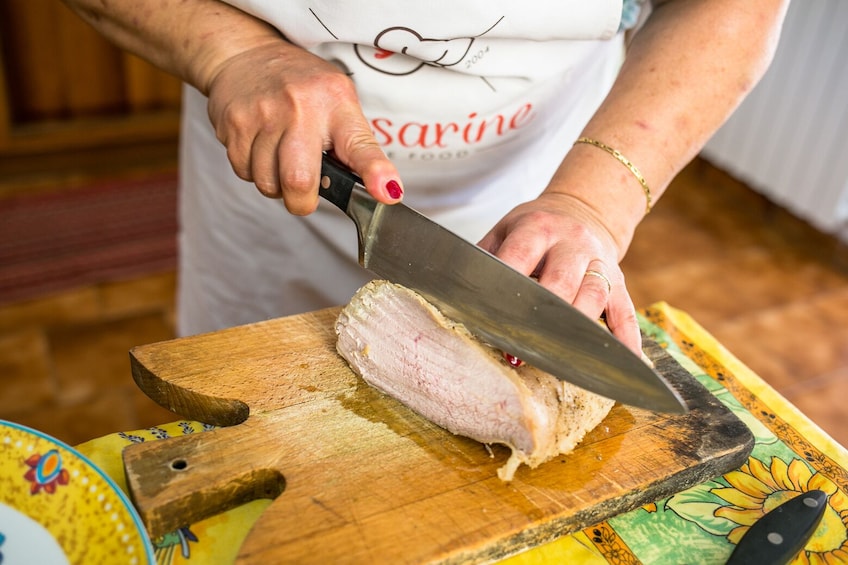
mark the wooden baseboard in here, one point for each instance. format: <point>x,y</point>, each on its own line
<point>49,171</point>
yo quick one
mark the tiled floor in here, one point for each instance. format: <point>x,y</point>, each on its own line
<point>64,363</point>
<point>768,287</point>
<point>772,290</point>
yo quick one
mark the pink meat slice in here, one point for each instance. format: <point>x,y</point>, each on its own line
<point>402,345</point>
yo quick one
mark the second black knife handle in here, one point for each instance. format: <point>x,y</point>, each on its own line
<point>780,535</point>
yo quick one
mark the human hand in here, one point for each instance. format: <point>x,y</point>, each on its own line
<point>276,107</point>
<point>561,241</point>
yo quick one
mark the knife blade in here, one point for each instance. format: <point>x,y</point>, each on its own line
<point>496,303</point>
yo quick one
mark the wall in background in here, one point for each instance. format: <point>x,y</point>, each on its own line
<point>788,139</point>
<point>65,91</point>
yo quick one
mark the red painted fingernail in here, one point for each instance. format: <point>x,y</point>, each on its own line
<point>394,189</point>
<point>513,360</point>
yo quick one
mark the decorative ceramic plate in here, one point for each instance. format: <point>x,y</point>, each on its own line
<point>57,507</point>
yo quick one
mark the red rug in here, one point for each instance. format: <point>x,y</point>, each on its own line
<point>81,236</point>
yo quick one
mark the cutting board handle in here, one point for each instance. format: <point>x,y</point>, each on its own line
<point>178,481</point>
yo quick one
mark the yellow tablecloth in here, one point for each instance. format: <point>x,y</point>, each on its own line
<point>699,525</point>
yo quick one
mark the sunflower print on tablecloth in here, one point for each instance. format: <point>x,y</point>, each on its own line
<point>756,489</point>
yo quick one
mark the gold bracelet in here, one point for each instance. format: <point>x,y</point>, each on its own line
<point>624,161</point>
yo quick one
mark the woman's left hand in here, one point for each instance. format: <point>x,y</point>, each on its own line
<point>561,241</point>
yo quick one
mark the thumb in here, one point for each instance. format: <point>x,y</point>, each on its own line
<point>363,155</point>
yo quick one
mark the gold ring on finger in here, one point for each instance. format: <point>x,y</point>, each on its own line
<point>601,276</point>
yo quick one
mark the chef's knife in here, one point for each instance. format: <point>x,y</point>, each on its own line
<point>498,304</point>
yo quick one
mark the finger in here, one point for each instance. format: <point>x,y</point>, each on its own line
<point>622,319</point>
<point>230,130</point>
<point>561,273</point>
<point>594,291</point>
<point>265,164</point>
<point>358,149</point>
<point>238,154</point>
<point>491,242</point>
<point>601,293</point>
<point>523,255</point>
<point>299,172</point>
<point>524,247</point>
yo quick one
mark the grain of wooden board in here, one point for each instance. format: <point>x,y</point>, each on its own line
<point>357,477</point>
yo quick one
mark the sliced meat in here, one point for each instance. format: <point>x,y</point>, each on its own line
<point>401,344</point>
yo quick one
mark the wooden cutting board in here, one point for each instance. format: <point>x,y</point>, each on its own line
<point>360,478</point>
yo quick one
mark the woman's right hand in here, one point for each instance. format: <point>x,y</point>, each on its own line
<point>276,107</point>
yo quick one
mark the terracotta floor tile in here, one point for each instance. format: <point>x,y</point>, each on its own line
<point>825,401</point>
<point>108,412</point>
<point>95,357</point>
<point>740,283</point>
<point>795,344</point>
<point>25,379</point>
<point>654,248</point>
<point>121,407</point>
<point>716,206</point>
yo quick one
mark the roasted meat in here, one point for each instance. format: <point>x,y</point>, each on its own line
<point>401,344</point>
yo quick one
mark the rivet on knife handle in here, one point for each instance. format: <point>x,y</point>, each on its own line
<point>780,535</point>
<point>336,182</point>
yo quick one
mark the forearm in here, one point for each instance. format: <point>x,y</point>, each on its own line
<point>188,38</point>
<point>685,72</point>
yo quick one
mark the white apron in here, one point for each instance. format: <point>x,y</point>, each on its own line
<point>476,114</point>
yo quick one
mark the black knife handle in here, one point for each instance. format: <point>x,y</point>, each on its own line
<point>337,182</point>
<point>780,535</point>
